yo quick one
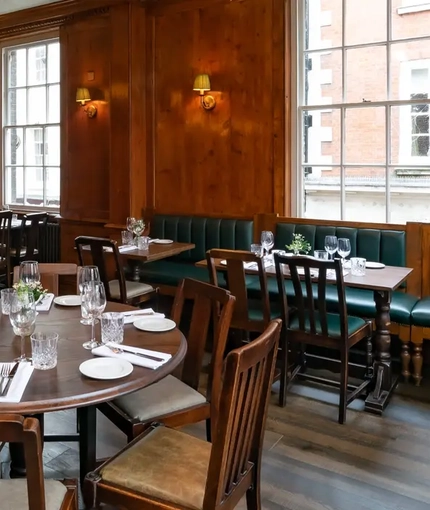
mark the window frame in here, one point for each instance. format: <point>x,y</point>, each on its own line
<point>7,43</point>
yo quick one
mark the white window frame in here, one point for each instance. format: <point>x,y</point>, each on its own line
<point>12,42</point>
<point>298,81</point>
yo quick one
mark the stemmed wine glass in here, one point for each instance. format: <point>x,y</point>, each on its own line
<point>267,240</point>
<point>87,274</point>
<point>22,317</point>
<point>29,272</point>
<point>94,302</point>
<point>130,223</point>
<point>330,245</point>
<point>343,248</point>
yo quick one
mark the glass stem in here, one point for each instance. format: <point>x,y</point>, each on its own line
<point>22,347</point>
<point>93,322</point>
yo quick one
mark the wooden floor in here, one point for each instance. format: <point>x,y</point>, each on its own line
<point>311,462</point>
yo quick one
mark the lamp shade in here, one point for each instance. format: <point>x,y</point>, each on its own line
<point>82,95</point>
<point>202,82</point>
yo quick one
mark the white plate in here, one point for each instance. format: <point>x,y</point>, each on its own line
<point>68,300</point>
<point>106,368</point>
<point>162,241</point>
<point>154,324</point>
<point>374,265</point>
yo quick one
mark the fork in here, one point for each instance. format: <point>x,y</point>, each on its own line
<point>5,371</point>
<point>117,350</point>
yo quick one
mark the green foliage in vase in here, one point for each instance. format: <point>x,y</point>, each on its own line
<point>35,288</point>
<point>299,245</point>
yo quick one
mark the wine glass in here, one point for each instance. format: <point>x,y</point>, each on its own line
<point>343,248</point>
<point>87,274</point>
<point>138,227</point>
<point>130,223</point>
<point>22,316</point>
<point>29,272</point>
<point>94,303</point>
<point>330,245</point>
<point>267,240</point>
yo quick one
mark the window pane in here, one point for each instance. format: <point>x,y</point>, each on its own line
<point>370,16</point>
<point>366,78</point>
<point>52,146</point>
<point>17,107</point>
<point>321,137</point>
<point>322,192</point>
<point>37,105</point>
<point>410,63</point>
<point>323,77</point>
<point>410,25</point>
<point>324,24</point>
<point>53,62</point>
<point>410,137</point>
<point>53,187</point>
<point>365,136</point>
<point>365,194</point>
<point>14,190</point>
<point>13,147</point>
<point>37,65</point>
<point>409,195</point>
<point>54,103</point>
<point>16,69</point>
<point>34,146</point>
<point>34,186</point>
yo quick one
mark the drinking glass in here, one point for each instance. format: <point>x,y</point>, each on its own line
<point>29,271</point>
<point>23,317</point>
<point>330,245</point>
<point>257,250</point>
<point>321,254</point>
<point>267,240</point>
<point>44,350</point>
<point>112,326</point>
<point>143,243</point>
<point>126,237</point>
<point>343,248</point>
<point>6,296</point>
<point>87,274</point>
<point>94,302</point>
<point>130,222</point>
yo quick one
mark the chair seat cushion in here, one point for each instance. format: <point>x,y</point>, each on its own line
<point>13,494</point>
<point>333,324</point>
<point>164,397</point>
<point>165,464</point>
<point>133,289</point>
<point>420,315</point>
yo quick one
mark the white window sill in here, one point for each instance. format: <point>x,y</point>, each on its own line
<point>413,8</point>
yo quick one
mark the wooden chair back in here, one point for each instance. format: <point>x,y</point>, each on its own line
<point>204,299</point>
<point>5,246</point>
<point>99,250</point>
<point>310,305</point>
<point>236,283</point>
<point>49,275</point>
<point>238,440</point>
<point>33,226</point>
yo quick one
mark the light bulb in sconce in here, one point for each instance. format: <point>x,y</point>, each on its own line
<point>83,96</point>
<point>202,84</point>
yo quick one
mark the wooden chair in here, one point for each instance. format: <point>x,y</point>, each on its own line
<point>174,401</point>
<point>27,242</point>
<point>312,324</point>
<point>168,469</point>
<point>49,275</point>
<point>40,494</point>
<point>118,289</point>
<point>250,316</point>
<point>5,246</point>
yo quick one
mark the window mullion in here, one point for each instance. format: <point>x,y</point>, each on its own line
<point>342,116</point>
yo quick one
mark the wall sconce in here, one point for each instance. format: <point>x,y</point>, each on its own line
<point>83,96</point>
<point>202,83</point>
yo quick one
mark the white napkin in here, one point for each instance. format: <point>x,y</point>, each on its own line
<point>45,303</point>
<point>134,315</point>
<point>126,247</point>
<point>19,381</point>
<point>103,350</point>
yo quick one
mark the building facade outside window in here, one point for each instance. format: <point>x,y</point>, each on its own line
<point>363,99</point>
<point>31,124</point>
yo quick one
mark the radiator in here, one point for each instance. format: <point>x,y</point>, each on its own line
<point>49,245</point>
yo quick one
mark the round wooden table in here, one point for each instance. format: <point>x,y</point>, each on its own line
<point>64,387</point>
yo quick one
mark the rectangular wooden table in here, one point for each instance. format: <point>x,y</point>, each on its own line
<point>157,251</point>
<point>383,282</point>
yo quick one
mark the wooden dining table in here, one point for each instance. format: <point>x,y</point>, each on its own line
<point>64,387</point>
<point>383,282</point>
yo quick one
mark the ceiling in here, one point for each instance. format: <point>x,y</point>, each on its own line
<point>18,5</point>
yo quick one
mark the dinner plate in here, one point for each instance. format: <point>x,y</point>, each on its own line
<point>71,300</point>
<point>106,368</point>
<point>154,324</point>
<point>162,241</point>
<point>374,265</point>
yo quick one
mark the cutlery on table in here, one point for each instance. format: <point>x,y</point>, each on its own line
<point>118,350</point>
<point>9,376</point>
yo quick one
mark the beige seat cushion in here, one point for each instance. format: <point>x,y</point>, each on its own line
<point>164,397</point>
<point>166,464</point>
<point>13,494</point>
<point>134,289</point>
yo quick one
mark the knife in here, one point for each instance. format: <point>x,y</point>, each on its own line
<point>141,354</point>
<point>10,377</point>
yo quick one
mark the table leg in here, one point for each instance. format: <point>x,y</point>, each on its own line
<point>87,417</point>
<point>384,382</point>
<point>17,458</point>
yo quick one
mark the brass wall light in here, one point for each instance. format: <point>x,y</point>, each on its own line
<point>83,96</point>
<point>202,83</point>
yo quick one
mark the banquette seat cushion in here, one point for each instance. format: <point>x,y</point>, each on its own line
<point>420,315</point>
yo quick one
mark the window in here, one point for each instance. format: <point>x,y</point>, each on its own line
<point>363,110</point>
<point>31,128</point>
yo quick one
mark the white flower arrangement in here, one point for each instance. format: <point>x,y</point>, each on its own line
<point>35,288</point>
<point>299,244</point>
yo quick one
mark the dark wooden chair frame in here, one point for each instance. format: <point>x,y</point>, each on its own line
<point>5,245</point>
<point>29,236</point>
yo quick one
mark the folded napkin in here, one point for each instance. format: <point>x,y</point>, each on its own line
<point>45,302</point>
<point>103,350</point>
<point>126,247</point>
<point>19,381</point>
<point>134,315</point>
